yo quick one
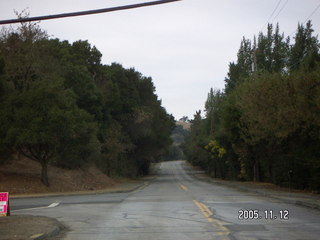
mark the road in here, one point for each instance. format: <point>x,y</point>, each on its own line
<point>175,205</point>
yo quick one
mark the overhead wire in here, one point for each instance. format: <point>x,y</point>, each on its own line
<point>311,14</point>
<point>81,13</point>
<point>283,6</point>
<point>308,18</point>
<point>275,9</point>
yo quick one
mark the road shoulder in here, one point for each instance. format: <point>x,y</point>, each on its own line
<point>308,200</point>
<point>39,227</point>
<point>29,227</point>
<point>127,186</point>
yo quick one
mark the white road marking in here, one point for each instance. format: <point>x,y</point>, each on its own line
<point>50,206</point>
<point>53,204</point>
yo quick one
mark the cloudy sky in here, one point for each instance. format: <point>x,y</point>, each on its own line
<point>184,46</point>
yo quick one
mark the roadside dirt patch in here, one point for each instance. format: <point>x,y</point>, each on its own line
<point>28,227</point>
<point>23,177</point>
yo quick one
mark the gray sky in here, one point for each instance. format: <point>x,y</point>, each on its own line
<point>184,46</point>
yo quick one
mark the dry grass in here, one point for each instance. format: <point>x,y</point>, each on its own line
<point>185,125</point>
<point>23,177</point>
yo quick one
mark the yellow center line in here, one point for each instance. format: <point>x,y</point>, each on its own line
<point>183,187</point>
<point>206,209</point>
<point>222,230</point>
<point>204,212</point>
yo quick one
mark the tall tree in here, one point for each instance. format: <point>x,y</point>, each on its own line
<point>305,51</point>
<point>242,68</point>
<point>21,55</point>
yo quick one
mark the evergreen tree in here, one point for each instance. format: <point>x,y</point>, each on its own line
<point>305,51</point>
<point>60,104</point>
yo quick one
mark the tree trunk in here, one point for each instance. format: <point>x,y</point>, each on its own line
<point>44,172</point>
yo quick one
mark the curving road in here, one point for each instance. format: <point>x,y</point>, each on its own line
<point>175,205</point>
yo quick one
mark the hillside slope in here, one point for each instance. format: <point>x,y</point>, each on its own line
<point>23,177</point>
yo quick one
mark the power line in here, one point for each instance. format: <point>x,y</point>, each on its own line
<point>280,11</point>
<point>271,15</point>
<point>308,18</point>
<point>313,12</point>
<point>96,11</point>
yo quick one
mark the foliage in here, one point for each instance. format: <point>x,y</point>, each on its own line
<point>267,119</point>
<point>196,141</point>
<point>215,150</point>
<point>42,122</point>
<point>174,153</point>
<point>60,104</point>
<point>178,137</point>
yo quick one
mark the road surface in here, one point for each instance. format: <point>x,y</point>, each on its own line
<point>175,205</point>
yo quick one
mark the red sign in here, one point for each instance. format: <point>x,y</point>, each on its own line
<point>4,203</point>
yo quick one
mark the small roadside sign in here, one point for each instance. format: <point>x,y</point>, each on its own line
<point>4,204</point>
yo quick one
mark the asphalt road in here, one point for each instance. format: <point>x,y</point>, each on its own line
<point>175,205</point>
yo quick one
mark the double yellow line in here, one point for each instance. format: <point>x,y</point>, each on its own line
<point>222,230</point>
<point>217,224</point>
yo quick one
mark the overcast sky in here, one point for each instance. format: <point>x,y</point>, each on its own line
<point>184,46</point>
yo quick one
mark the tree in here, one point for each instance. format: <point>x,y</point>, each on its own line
<point>305,51</point>
<point>22,55</point>
<point>243,68</point>
<point>39,116</point>
<point>212,109</point>
<point>280,52</point>
<point>196,141</point>
<point>216,153</point>
<point>60,104</point>
<point>267,117</point>
<point>37,122</point>
<point>130,103</point>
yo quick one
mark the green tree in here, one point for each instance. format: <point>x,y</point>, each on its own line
<point>60,104</point>
<point>37,122</point>
<point>196,141</point>
<point>131,104</point>
<point>216,153</point>
<point>243,68</point>
<point>305,51</point>
<point>22,56</point>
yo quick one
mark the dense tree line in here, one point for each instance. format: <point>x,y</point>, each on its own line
<point>265,124</point>
<point>59,104</point>
<point>178,136</point>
